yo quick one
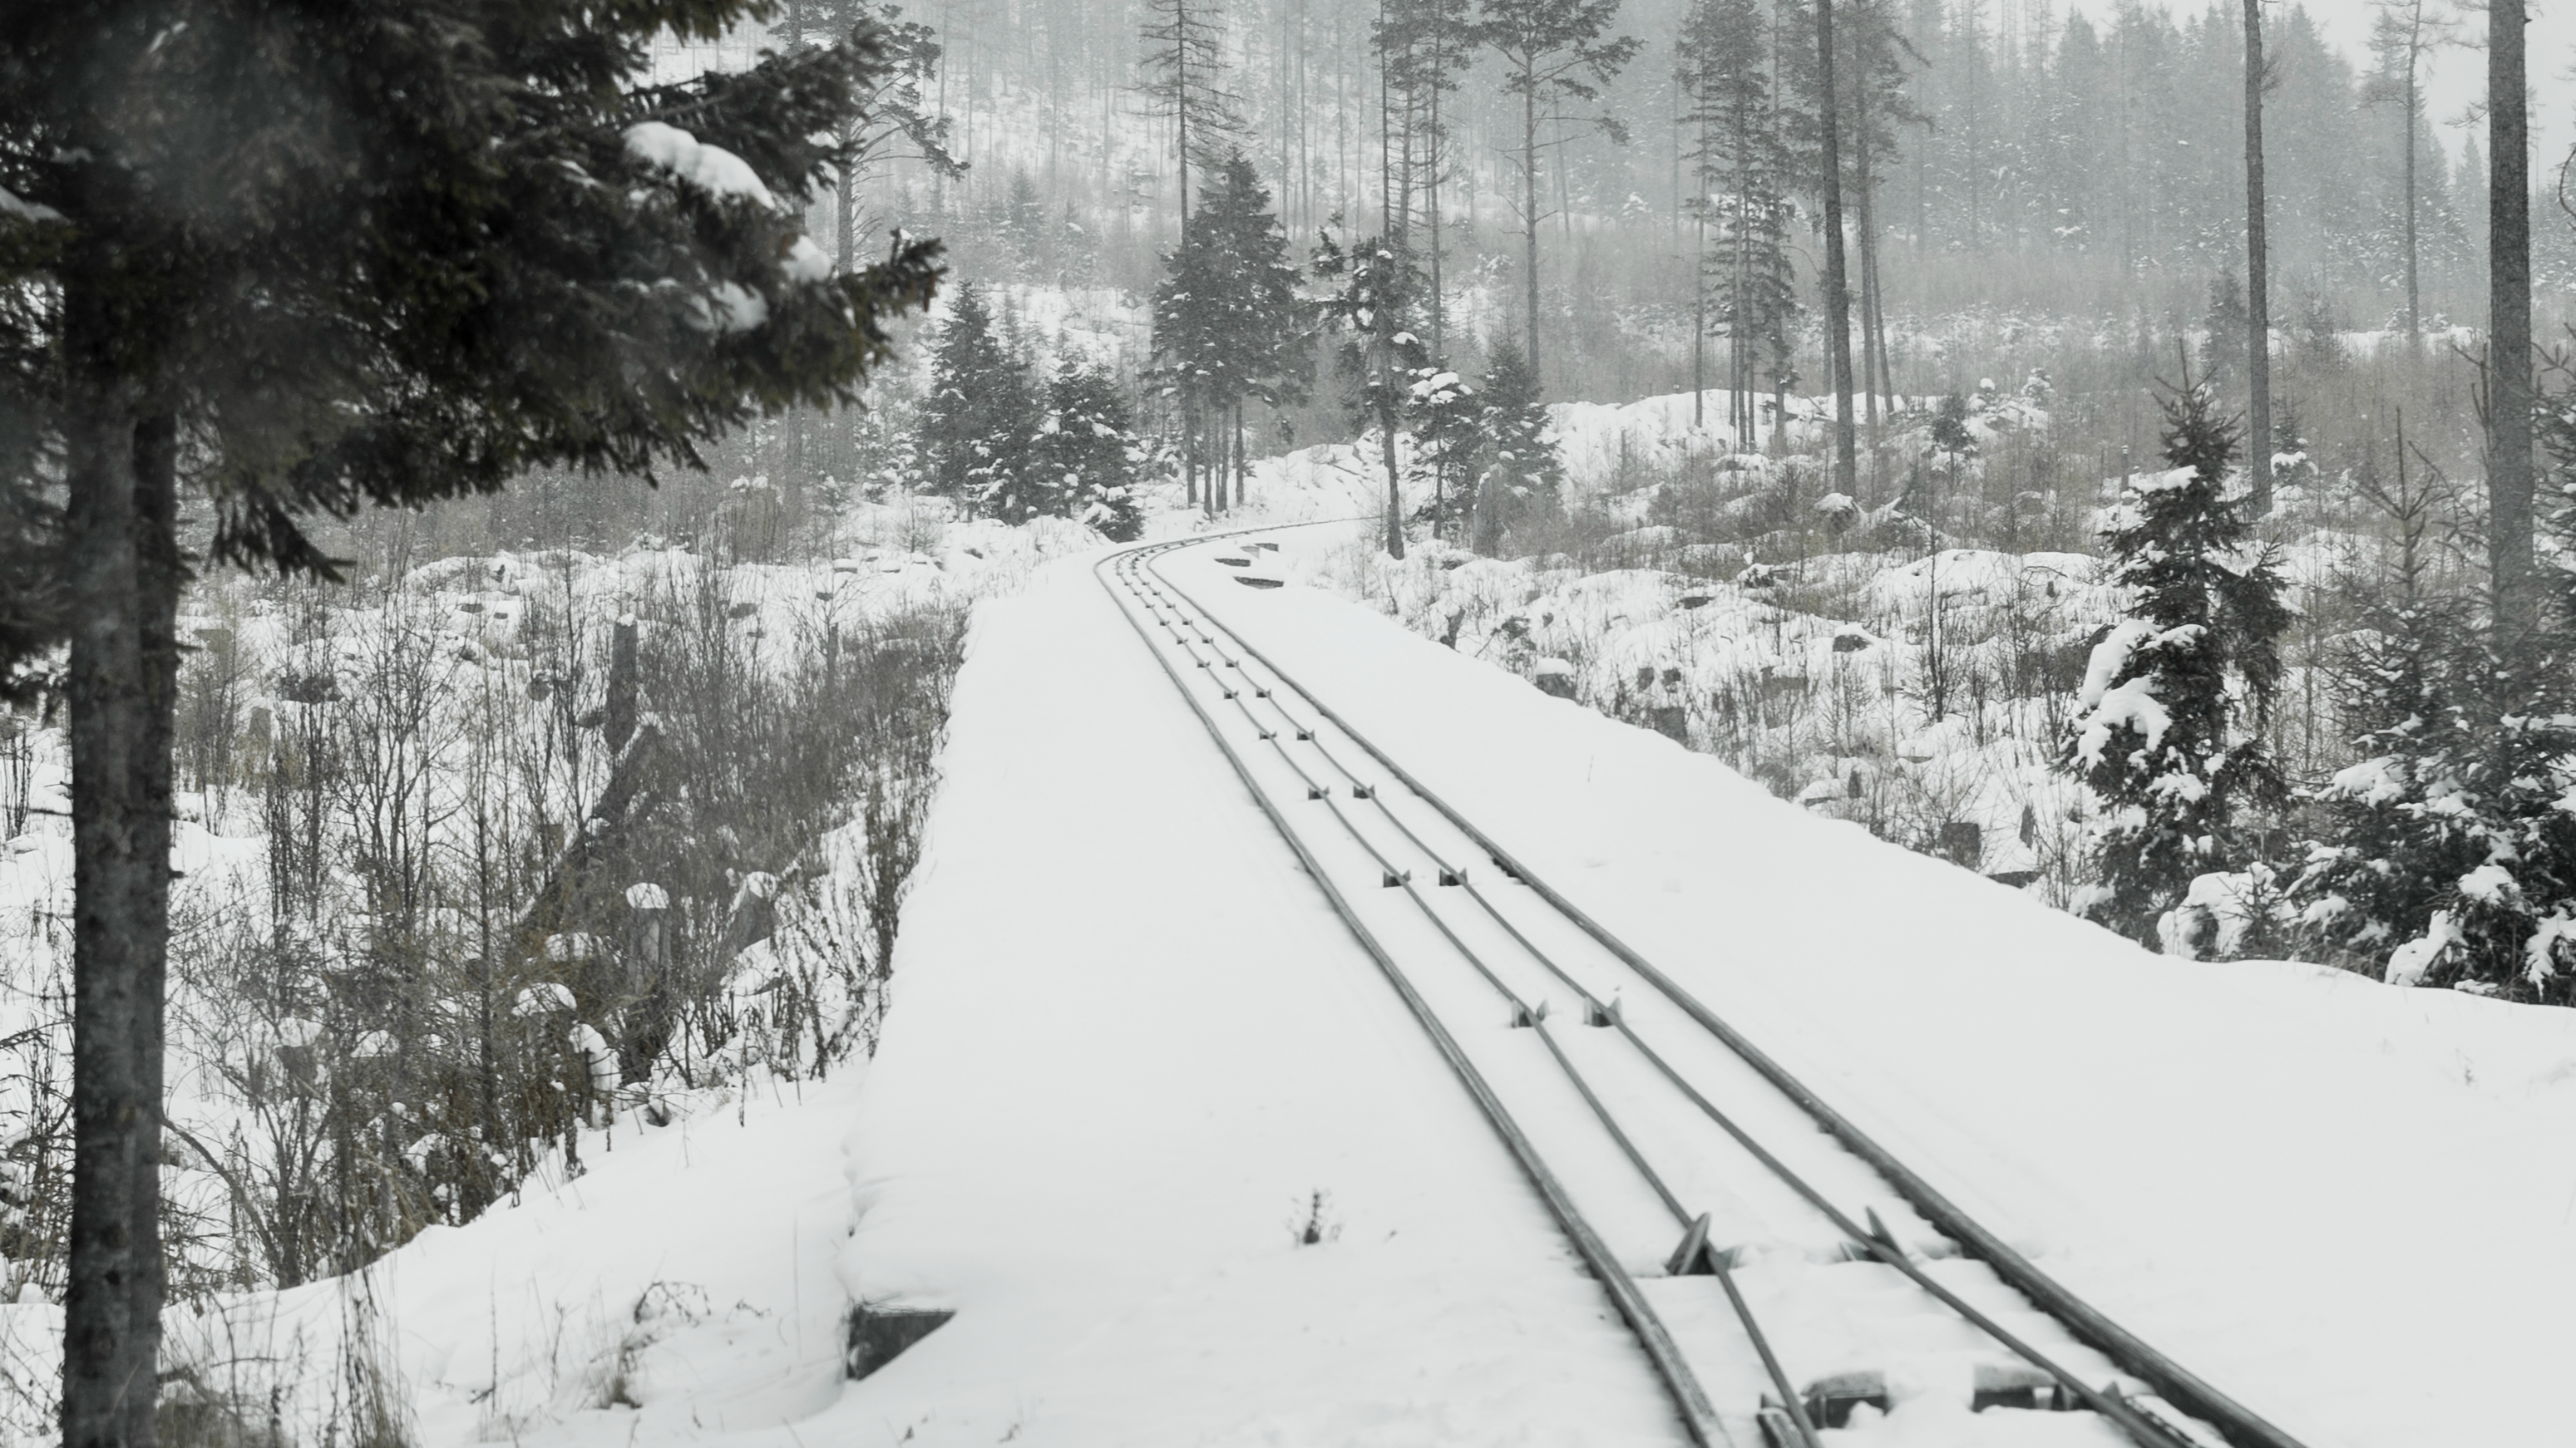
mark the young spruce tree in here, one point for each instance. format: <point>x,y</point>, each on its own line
<point>977,422</point>
<point>2175,702</point>
<point>1521,484</point>
<point>2391,835</point>
<point>1088,455</point>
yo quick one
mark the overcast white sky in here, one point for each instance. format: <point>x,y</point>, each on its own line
<point>2459,77</point>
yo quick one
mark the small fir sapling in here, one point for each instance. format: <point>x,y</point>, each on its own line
<point>1522,483</point>
<point>2176,698</point>
<point>2389,839</point>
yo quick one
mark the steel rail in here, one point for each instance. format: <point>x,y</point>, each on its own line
<point>2139,1427</point>
<point>1699,1417</point>
<point>2238,1424</point>
<point>2142,1430</point>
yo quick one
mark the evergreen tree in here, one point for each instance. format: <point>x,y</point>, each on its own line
<point>1228,322</point>
<point>1555,55</point>
<point>1376,294</point>
<point>2498,843</point>
<point>1448,423</point>
<point>2403,34</point>
<point>1088,453</point>
<point>979,417</point>
<point>894,118</point>
<point>374,252</point>
<point>2390,842</point>
<point>2222,351</point>
<point>1741,208</point>
<point>2177,697</point>
<point>1424,49</point>
<point>1521,483</point>
<point>1185,62</point>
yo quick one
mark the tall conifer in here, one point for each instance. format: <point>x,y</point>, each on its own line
<point>373,252</point>
<point>2176,700</point>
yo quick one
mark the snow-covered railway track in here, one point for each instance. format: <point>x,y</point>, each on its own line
<point>1817,1282</point>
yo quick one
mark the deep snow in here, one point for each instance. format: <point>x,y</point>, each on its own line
<point>1130,1045</point>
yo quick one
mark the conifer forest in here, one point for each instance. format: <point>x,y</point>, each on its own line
<point>501,501</point>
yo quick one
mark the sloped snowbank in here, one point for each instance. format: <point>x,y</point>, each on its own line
<point>2305,1189</point>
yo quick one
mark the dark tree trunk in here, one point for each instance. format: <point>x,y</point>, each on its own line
<point>1431,211</point>
<point>1864,188</point>
<point>2258,285</point>
<point>1386,424</point>
<point>122,680</point>
<point>1529,218</point>
<point>845,220</point>
<point>619,724</point>
<point>1838,358</point>
<point>2414,292</point>
<point>2509,467</point>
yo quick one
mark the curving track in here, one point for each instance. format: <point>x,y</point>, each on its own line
<point>1785,1275</point>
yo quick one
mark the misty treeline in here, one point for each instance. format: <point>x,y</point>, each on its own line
<point>2100,155</point>
<point>1631,195</point>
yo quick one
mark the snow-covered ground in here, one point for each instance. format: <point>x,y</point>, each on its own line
<point>2300,1183</point>
<point>1130,1046</point>
<point>1132,1062</point>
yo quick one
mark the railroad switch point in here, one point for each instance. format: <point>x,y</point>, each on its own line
<point>1694,1257</point>
<point>1878,1229</point>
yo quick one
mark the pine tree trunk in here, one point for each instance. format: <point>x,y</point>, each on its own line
<point>1431,214</point>
<point>845,220</point>
<point>121,684</point>
<point>1863,187</point>
<point>1181,111</point>
<point>2509,464</point>
<point>1838,358</point>
<point>2414,293</point>
<point>1386,421</point>
<point>1394,494</point>
<point>1699,262</point>
<point>2258,286</point>
<point>1529,217</point>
